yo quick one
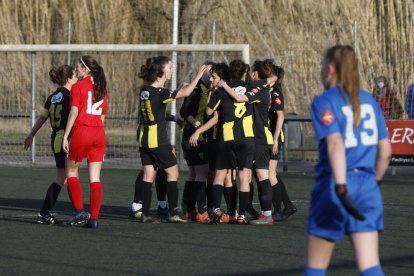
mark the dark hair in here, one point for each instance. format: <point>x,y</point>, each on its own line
<point>98,75</point>
<point>208,62</point>
<point>279,72</point>
<point>61,74</point>
<point>222,70</point>
<point>237,69</point>
<point>263,68</point>
<point>153,68</point>
<point>344,59</point>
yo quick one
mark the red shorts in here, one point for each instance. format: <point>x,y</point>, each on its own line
<point>89,142</point>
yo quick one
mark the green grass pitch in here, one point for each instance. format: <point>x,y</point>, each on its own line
<point>125,247</point>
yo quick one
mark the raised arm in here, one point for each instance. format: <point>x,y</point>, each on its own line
<point>237,97</point>
<point>186,90</point>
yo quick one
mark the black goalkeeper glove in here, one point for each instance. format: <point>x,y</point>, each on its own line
<point>347,202</point>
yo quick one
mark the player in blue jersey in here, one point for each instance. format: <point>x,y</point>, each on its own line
<point>354,152</point>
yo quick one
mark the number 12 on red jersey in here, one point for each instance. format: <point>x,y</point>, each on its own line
<point>93,109</point>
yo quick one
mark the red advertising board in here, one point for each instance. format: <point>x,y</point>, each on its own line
<point>401,134</point>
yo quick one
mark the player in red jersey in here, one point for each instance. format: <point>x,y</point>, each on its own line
<point>56,109</point>
<point>88,108</point>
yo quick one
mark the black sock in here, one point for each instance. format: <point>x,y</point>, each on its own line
<point>233,200</point>
<point>265,195</point>
<point>161,185</point>
<point>277,198</point>
<point>201,196</point>
<point>251,195</point>
<point>191,193</point>
<point>243,202</point>
<point>137,194</point>
<point>227,197</point>
<point>186,192</point>
<point>217,192</point>
<point>285,197</point>
<point>146,190</point>
<point>172,194</point>
<point>51,197</point>
<point>209,193</point>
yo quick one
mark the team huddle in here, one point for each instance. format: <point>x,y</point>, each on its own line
<point>232,118</point>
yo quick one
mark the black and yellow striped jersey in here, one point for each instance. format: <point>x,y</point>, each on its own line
<point>57,108</point>
<point>260,98</point>
<point>235,119</point>
<point>152,106</point>
<point>195,105</point>
<point>277,104</point>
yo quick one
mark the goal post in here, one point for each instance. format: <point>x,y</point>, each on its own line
<point>27,67</point>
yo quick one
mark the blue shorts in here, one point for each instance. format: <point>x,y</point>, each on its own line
<point>328,218</point>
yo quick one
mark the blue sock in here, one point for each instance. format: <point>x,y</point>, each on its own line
<point>373,271</point>
<point>309,271</point>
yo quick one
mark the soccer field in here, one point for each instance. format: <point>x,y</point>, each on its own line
<point>122,246</point>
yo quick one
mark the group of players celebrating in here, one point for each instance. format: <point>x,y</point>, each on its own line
<point>233,117</point>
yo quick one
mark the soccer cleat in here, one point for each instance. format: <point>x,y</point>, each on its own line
<point>47,218</point>
<point>146,219</point>
<point>241,219</point>
<point>225,218</point>
<point>176,219</point>
<point>92,223</point>
<point>217,216</point>
<point>79,218</point>
<point>289,210</point>
<point>262,221</point>
<point>278,217</point>
<point>135,214</point>
<point>191,216</point>
<point>252,212</point>
<point>203,218</point>
<point>162,212</point>
<point>233,219</point>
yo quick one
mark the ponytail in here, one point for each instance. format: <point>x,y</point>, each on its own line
<point>349,80</point>
<point>98,75</point>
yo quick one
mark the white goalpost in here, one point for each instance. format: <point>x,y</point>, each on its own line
<point>126,56</point>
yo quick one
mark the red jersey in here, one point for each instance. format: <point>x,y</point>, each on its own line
<point>89,111</point>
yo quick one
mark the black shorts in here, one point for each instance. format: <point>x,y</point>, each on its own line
<point>211,145</point>
<point>235,154</point>
<point>262,155</point>
<point>56,144</point>
<point>162,157</point>
<point>195,155</point>
<point>279,148</point>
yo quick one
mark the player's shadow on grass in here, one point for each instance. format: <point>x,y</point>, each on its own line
<point>25,210</point>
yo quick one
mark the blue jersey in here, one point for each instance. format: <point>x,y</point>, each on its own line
<point>331,113</point>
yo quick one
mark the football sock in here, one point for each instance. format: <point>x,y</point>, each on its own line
<point>146,190</point>
<point>309,271</point>
<point>51,197</point>
<point>227,197</point>
<point>209,193</point>
<point>75,193</point>
<point>243,202</point>
<point>373,271</point>
<point>251,195</point>
<point>201,196</point>
<point>161,185</point>
<point>265,195</point>
<point>95,197</point>
<point>186,192</point>
<point>137,194</point>
<point>277,198</point>
<point>172,194</point>
<point>285,197</point>
<point>233,200</point>
<point>193,189</point>
<point>217,192</point>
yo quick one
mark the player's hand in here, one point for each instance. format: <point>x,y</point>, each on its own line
<point>275,149</point>
<point>196,124</point>
<point>203,68</point>
<point>348,202</point>
<point>65,145</point>
<point>27,143</point>
<point>194,138</point>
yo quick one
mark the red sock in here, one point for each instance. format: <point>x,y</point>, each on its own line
<point>95,199</point>
<point>75,193</point>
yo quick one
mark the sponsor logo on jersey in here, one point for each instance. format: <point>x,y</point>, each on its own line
<point>277,94</point>
<point>241,90</point>
<point>278,101</point>
<point>327,117</point>
<point>57,98</point>
<point>145,95</point>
